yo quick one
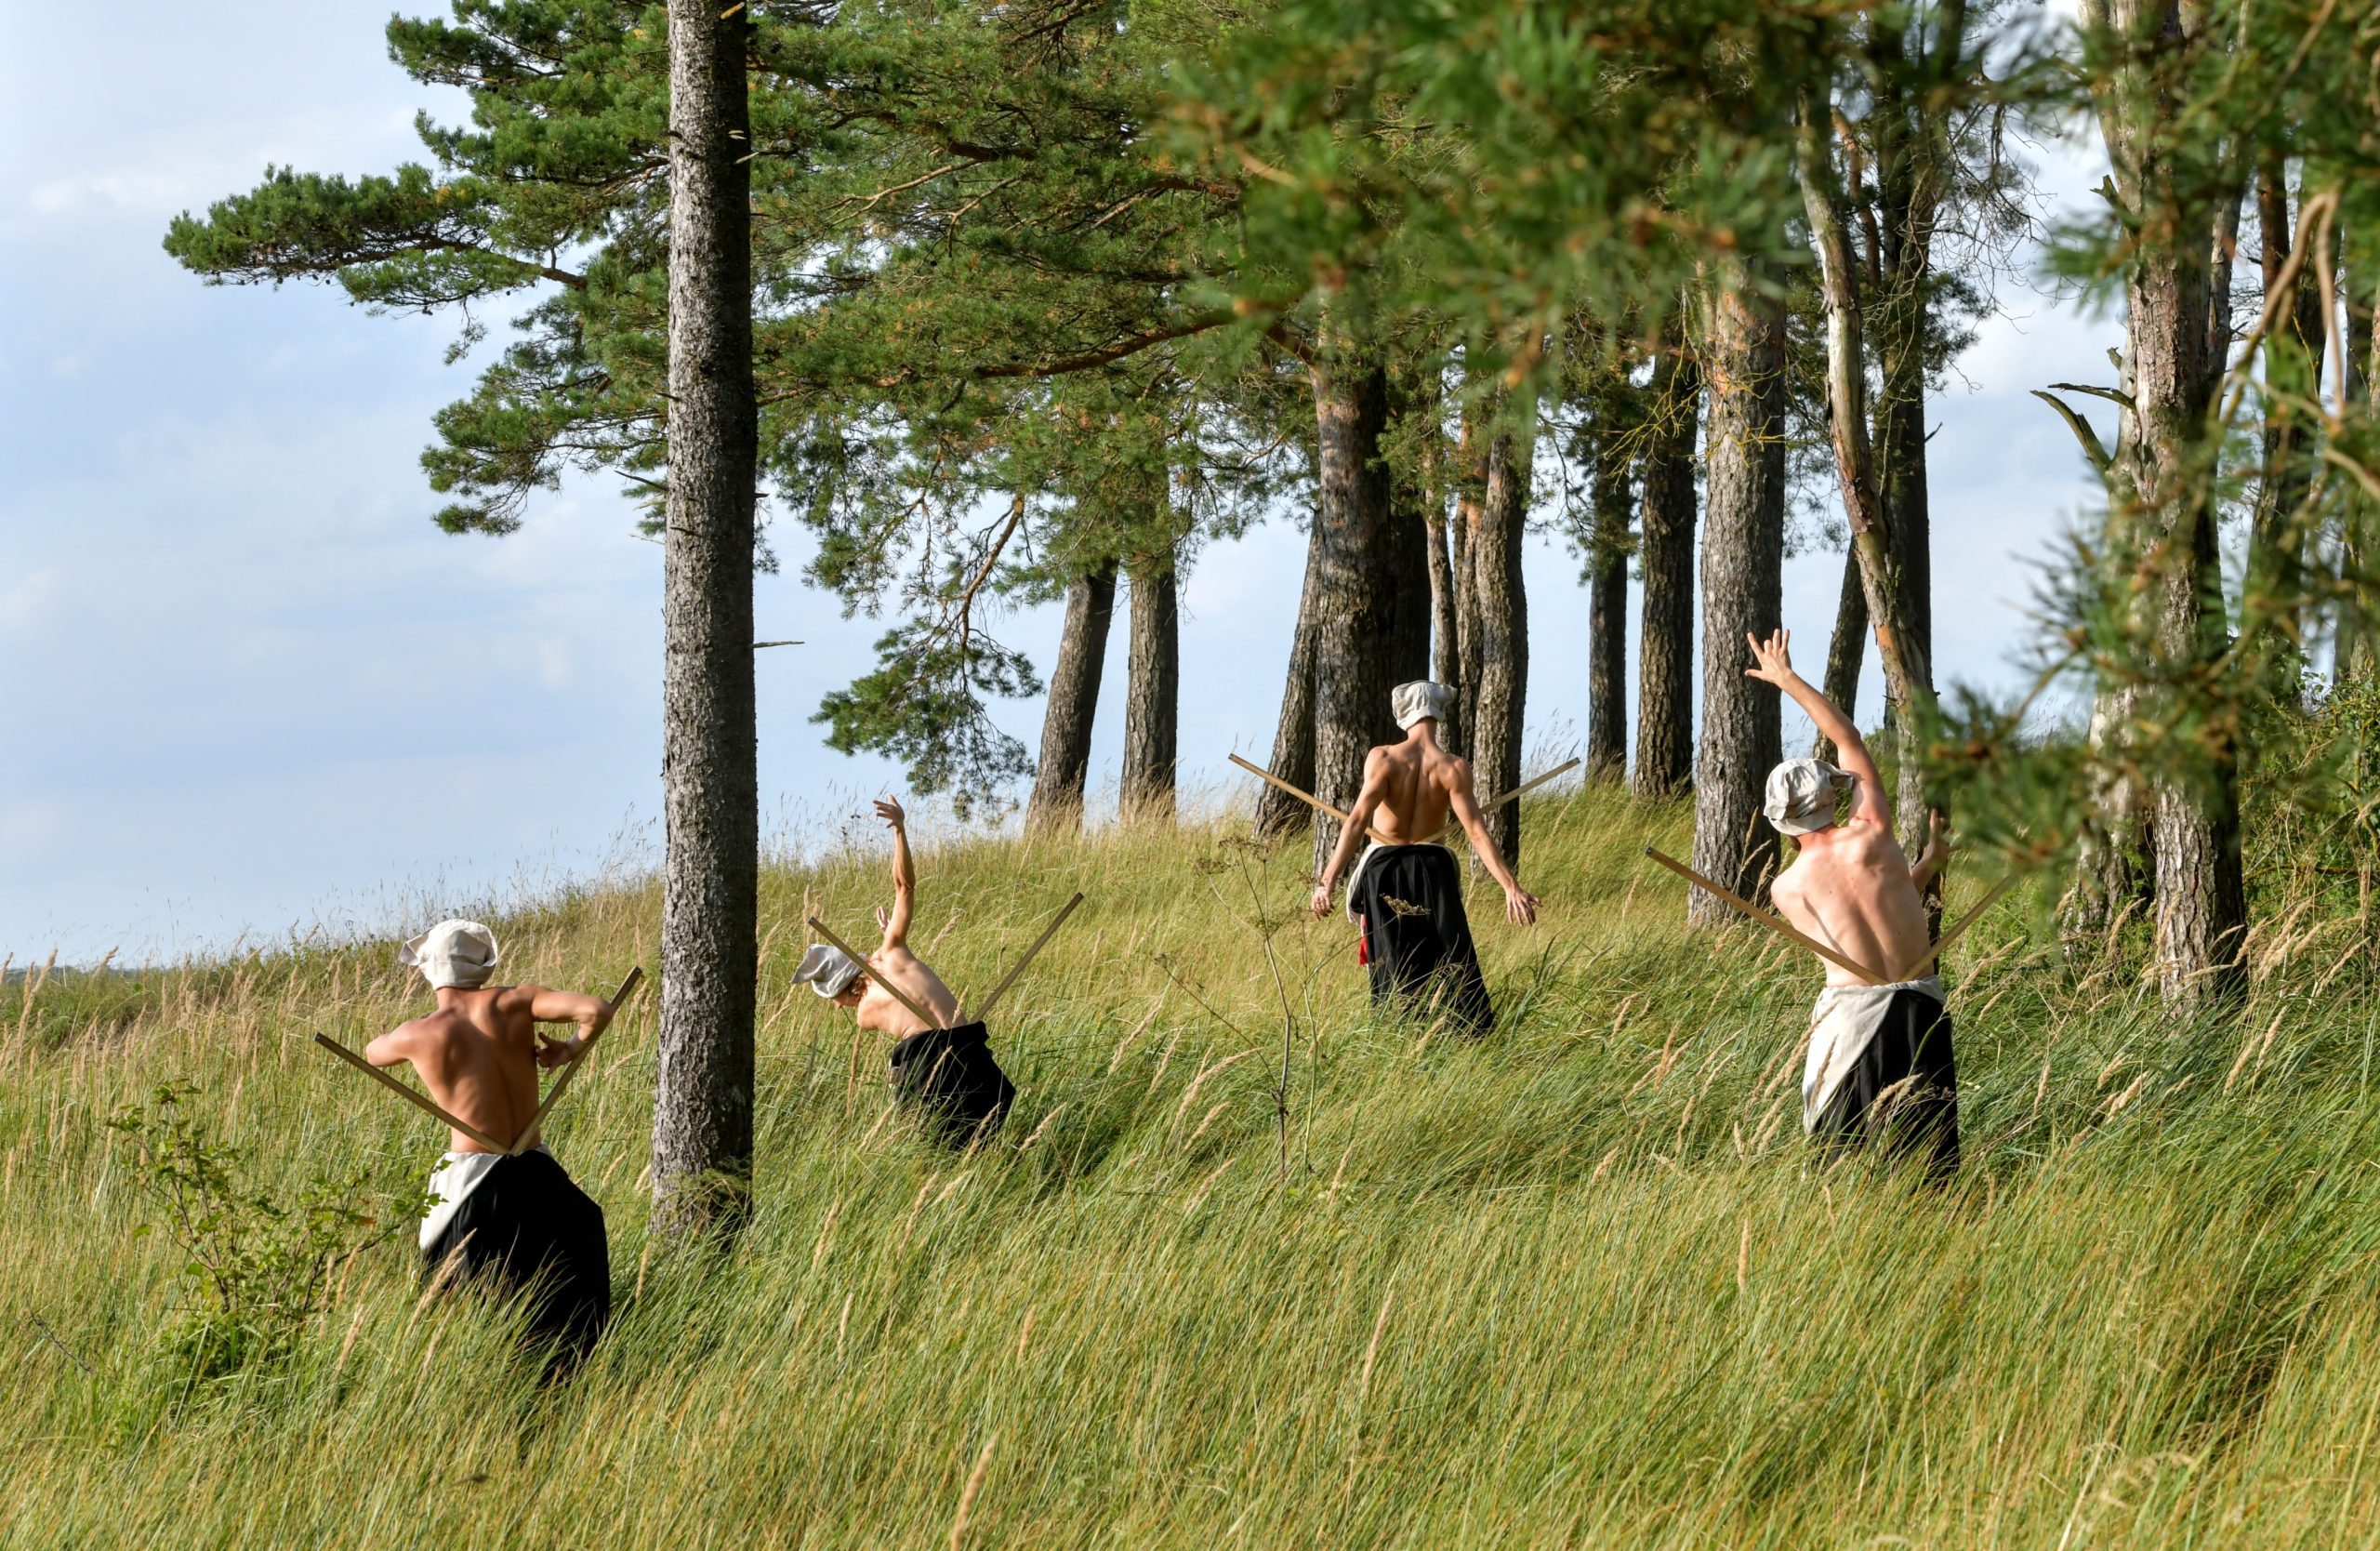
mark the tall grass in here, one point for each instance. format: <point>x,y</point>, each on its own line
<point>1580,1284</point>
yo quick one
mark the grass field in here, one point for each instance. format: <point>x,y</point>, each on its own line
<point>1583,1284</point>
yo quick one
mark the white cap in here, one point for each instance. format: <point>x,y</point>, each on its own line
<point>828,969</point>
<point>452,953</point>
<point>1801,795</point>
<point>1419,701</point>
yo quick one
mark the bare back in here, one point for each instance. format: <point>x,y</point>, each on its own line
<point>880,1010</point>
<point>1417,788</point>
<point>1851,889</point>
<point>478,1056</point>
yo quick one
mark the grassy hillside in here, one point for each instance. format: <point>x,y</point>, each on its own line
<point>1580,1285</point>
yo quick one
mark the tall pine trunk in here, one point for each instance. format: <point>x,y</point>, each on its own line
<point>2162,504</point>
<point>1153,691</point>
<point>1496,653</point>
<point>1470,457</point>
<point>702,1114</point>
<point>1354,600</point>
<point>1665,626</point>
<point>1846,652</point>
<point>1617,425</point>
<point>1058,785</point>
<point>2293,353</point>
<point>1277,813</point>
<point>1413,598</point>
<point>1743,552</point>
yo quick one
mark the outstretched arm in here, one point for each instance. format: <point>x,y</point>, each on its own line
<point>1774,666</point>
<point>1351,834</point>
<point>393,1049</point>
<point>904,876</point>
<point>592,1014</point>
<point>1520,906</point>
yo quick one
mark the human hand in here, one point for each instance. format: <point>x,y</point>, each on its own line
<point>1775,660</point>
<point>552,1052</point>
<point>883,919</point>
<point>889,812</point>
<point>1321,901</point>
<point>1520,906</point>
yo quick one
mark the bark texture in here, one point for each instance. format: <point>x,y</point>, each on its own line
<point>1846,652</point>
<point>1496,660</point>
<point>1412,601</point>
<point>2293,356</point>
<point>1743,552</point>
<point>2162,508</point>
<point>1617,425</point>
<point>1277,813</point>
<point>1665,625</point>
<point>1153,691</point>
<point>702,1114</point>
<point>1354,597</point>
<point>1056,805</point>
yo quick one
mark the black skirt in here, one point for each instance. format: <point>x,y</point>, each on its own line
<point>527,1228</point>
<point>950,1075</point>
<point>1903,1092</point>
<point>1417,939</point>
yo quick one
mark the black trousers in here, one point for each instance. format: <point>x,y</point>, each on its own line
<point>528,1228</point>
<point>1903,1092</point>
<point>1417,938</point>
<point>950,1075</point>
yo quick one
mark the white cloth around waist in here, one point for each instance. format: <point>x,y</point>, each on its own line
<point>1355,873</point>
<point>458,1174</point>
<point>1842,1022</point>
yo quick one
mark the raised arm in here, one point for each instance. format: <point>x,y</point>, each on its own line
<point>1774,664</point>
<point>1520,906</point>
<point>1351,834</point>
<point>904,876</point>
<point>544,1004</point>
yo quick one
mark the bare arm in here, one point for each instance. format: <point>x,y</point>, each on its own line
<point>904,876</point>
<point>393,1049</point>
<point>1351,834</point>
<point>1776,666</point>
<point>544,1004</point>
<point>1520,906</point>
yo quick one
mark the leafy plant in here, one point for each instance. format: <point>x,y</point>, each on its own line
<point>256,1268</point>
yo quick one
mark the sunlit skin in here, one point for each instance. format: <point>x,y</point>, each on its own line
<point>878,1010</point>
<point>1852,886</point>
<point>478,1052</point>
<point>1409,789</point>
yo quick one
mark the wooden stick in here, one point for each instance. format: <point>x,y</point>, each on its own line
<point>417,1100</point>
<point>1039,943</point>
<point>893,992</point>
<point>1524,785</point>
<point>1964,921</point>
<point>1773,922</point>
<point>522,1143</point>
<point>1261,773</point>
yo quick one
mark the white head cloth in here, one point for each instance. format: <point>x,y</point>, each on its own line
<point>452,953</point>
<point>828,969</point>
<point>1801,795</point>
<point>1419,701</point>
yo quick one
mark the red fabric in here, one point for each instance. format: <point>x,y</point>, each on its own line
<point>1363,941</point>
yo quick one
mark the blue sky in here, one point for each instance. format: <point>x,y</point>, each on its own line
<point>253,690</point>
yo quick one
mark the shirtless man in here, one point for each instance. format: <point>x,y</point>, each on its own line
<point>1406,894</point>
<point>946,1065</point>
<point>518,1218</point>
<point>1879,1055</point>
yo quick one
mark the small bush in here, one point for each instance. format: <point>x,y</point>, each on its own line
<point>255,1269</point>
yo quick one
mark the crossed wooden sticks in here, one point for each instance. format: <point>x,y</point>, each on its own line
<point>1300,792</point>
<point>997,992</point>
<point>1776,924</point>
<point>528,1132</point>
